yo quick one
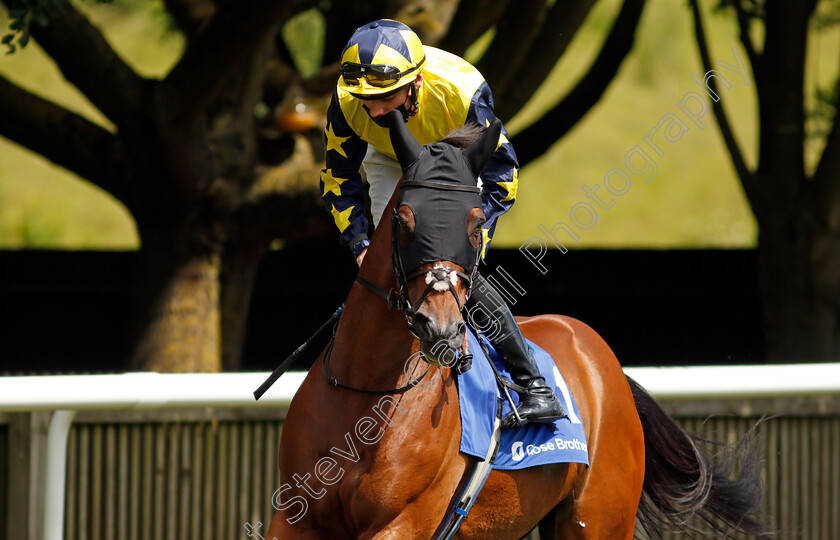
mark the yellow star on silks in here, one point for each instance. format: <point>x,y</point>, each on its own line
<point>511,186</point>
<point>342,219</point>
<point>331,183</point>
<point>334,142</point>
<point>502,138</point>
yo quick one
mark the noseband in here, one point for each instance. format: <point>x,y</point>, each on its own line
<point>438,278</point>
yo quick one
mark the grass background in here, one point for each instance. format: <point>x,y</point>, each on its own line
<point>694,201</point>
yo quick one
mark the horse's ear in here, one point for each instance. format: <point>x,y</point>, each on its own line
<point>405,145</point>
<point>479,152</point>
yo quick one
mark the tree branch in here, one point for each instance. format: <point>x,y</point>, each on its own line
<point>215,53</point>
<point>190,16</point>
<point>341,20</point>
<point>472,18</point>
<point>746,39</point>
<point>293,216</point>
<point>560,26</point>
<point>746,176</point>
<point>515,32</point>
<point>63,137</point>
<point>87,60</point>
<point>781,111</point>
<point>538,137</point>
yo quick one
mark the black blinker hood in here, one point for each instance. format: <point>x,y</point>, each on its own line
<point>439,186</point>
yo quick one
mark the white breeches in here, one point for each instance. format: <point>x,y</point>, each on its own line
<point>383,174</point>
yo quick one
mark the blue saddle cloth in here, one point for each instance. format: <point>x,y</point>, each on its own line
<point>562,441</point>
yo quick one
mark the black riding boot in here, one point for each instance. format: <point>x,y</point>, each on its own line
<point>491,314</point>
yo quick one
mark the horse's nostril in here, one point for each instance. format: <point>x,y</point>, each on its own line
<point>423,326</point>
<point>429,327</point>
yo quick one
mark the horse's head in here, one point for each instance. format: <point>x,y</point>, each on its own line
<point>437,236</point>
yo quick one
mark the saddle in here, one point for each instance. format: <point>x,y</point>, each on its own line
<point>480,380</point>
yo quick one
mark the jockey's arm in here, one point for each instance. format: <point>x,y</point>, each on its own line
<point>500,177</point>
<point>341,184</point>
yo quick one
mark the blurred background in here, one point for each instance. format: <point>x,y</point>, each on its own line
<point>160,210</point>
<point>159,176</point>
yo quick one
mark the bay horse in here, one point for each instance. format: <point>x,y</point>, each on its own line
<point>383,462</point>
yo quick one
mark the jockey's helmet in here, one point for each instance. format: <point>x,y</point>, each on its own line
<point>380,57</point>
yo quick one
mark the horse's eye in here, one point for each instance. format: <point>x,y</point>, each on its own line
<point>478,226</point>
<point>475,234</point>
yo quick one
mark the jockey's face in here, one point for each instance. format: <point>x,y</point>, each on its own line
<point>380,107</point>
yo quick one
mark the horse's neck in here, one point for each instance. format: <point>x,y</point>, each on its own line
<point>372,343</point>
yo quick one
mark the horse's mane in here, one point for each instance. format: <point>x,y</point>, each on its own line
<point>463,136</point>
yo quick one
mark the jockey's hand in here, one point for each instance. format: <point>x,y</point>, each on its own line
<point>361,257</point>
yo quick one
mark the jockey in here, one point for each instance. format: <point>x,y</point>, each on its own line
<point>385,67</point>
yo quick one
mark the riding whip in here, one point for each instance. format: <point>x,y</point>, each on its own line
<point>284,365</point>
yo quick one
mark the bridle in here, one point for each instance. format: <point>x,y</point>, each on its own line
<point>398,298</point>
<point>438,278</point>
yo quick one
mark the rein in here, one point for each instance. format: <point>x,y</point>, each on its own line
<point>398,299</point>
<point>395,299</point>
<point>330,377</point>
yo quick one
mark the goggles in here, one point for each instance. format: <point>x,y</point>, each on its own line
<point>378,75</point>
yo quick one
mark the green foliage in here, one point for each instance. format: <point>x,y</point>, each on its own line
<point>24,12</point>
<point>820,117</point>
<point>303,35</point>
<point>820,109</point>
<point>42,205</point>
<point>694,201</point>
<point>826,16</point>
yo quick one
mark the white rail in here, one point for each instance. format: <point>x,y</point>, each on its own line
<point>66,394</point>
<point>171,390</point>
<point>723,382</point>
<point>143,391</point>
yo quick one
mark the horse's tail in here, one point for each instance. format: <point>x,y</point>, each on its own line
<point>683,480</point>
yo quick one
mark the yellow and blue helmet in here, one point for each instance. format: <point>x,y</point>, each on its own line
<point>380,57</point>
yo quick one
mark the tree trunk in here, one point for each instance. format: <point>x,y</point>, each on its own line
<point>796,246</point>
<point>800,286</point>
<point>177,309</point>
<point>239,271</point>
